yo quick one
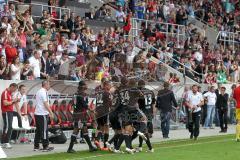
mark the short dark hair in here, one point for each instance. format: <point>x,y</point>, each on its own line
<point>21,86</point>
<point>166,85</point>
<point>13,85</point>
<point>44,82</point>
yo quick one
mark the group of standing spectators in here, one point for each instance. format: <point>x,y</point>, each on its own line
<point>209,107</point>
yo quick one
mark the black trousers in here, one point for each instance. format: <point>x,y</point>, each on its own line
<point>7,126</point>
<point>15,133</point>
<point>41,131</point>
<point>223,118</point>
<point>194,123</point>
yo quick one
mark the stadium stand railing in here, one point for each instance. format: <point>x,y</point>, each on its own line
<point>228,38</point>
<point>169,29</point>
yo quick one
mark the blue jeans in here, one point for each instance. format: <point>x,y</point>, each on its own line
<point>210,115</point>
<point>165,123</point>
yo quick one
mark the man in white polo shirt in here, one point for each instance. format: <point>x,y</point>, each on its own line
<point>194,103</point>
<point>211,102</point>
<point>35,64</point>
<point>42,114</point>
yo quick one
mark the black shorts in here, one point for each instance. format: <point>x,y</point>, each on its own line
<point>114,121</point>
<point>78,124</point>
<point>136,115</point>
<point>102,121</point>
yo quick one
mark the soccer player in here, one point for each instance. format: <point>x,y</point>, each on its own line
<point>128,97</point>
<point>103,106</point>
<point>114,121</point>
<point>147,105</point>
<point>236,96</point>
<point>80,117</point>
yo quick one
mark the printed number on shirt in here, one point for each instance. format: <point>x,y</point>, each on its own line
<point>124,97</point>
<point>148,99</point>
<point>99,99</point>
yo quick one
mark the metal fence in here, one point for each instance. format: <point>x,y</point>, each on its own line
<point>38,8</point>
<point>169,29</point>
<point>229,38</point>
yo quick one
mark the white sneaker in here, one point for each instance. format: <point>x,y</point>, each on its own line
<point>6,146</point>
<point>138,149</point>
<point>117,151</point>
<point>150,151</point>
<point>130,151</point>
<point>110,148</point>
<point>140,134</point>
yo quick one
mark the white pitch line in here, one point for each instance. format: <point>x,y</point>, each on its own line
<point>157,148</point>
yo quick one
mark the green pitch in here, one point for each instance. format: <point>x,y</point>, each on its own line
<point>212,148</point>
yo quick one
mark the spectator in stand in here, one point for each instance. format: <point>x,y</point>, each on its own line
<point>72,45</point>
<point>15,69</point>
<point>35,64</point>
<point>64,68</point>
<point>4,68</point>
<point>11,51</point>
<point>45,65</point>
<point>120,15</point>
<point>140,10</point>
<point>63,29</point>
<point>27,73</point>
<point>5,12</point>
<point>71,21</point>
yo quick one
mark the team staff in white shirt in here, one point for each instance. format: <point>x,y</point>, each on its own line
<point>42,114</point>
<point>211,106</point>
<point>194,103</point>
<point>20,108</point>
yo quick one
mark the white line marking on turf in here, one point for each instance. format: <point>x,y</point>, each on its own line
<point>157,148</point>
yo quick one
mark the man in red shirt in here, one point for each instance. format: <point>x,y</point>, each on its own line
<point>7,104</point>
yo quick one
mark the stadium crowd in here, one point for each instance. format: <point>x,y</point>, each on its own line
<point>70,50</point>
<point>44,48</point>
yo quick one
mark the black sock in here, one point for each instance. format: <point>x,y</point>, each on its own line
<point>128,139</point>
<point>73,139</point>
<point>93,136</point>
<point>99,136</point>
<point>134,135</point>
<point>140,142</point>
<point>120,141</point>
<point>115,142</point>
<point>87,139</point>
<point>105,139</point>
<point>148,143</point>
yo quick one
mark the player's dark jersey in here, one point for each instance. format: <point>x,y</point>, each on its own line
<point>103,103</point>
<point>80,107</point>
<point>80,103</point>
<point>128,98</point>
<point>147,100</point>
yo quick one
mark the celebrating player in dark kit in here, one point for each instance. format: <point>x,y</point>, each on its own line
<point>103,106</point>
<point>147,105</point>
<point>80,115</point>
<point>128,99</point>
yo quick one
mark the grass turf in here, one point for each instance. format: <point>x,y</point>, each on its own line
<point>213,148</point>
